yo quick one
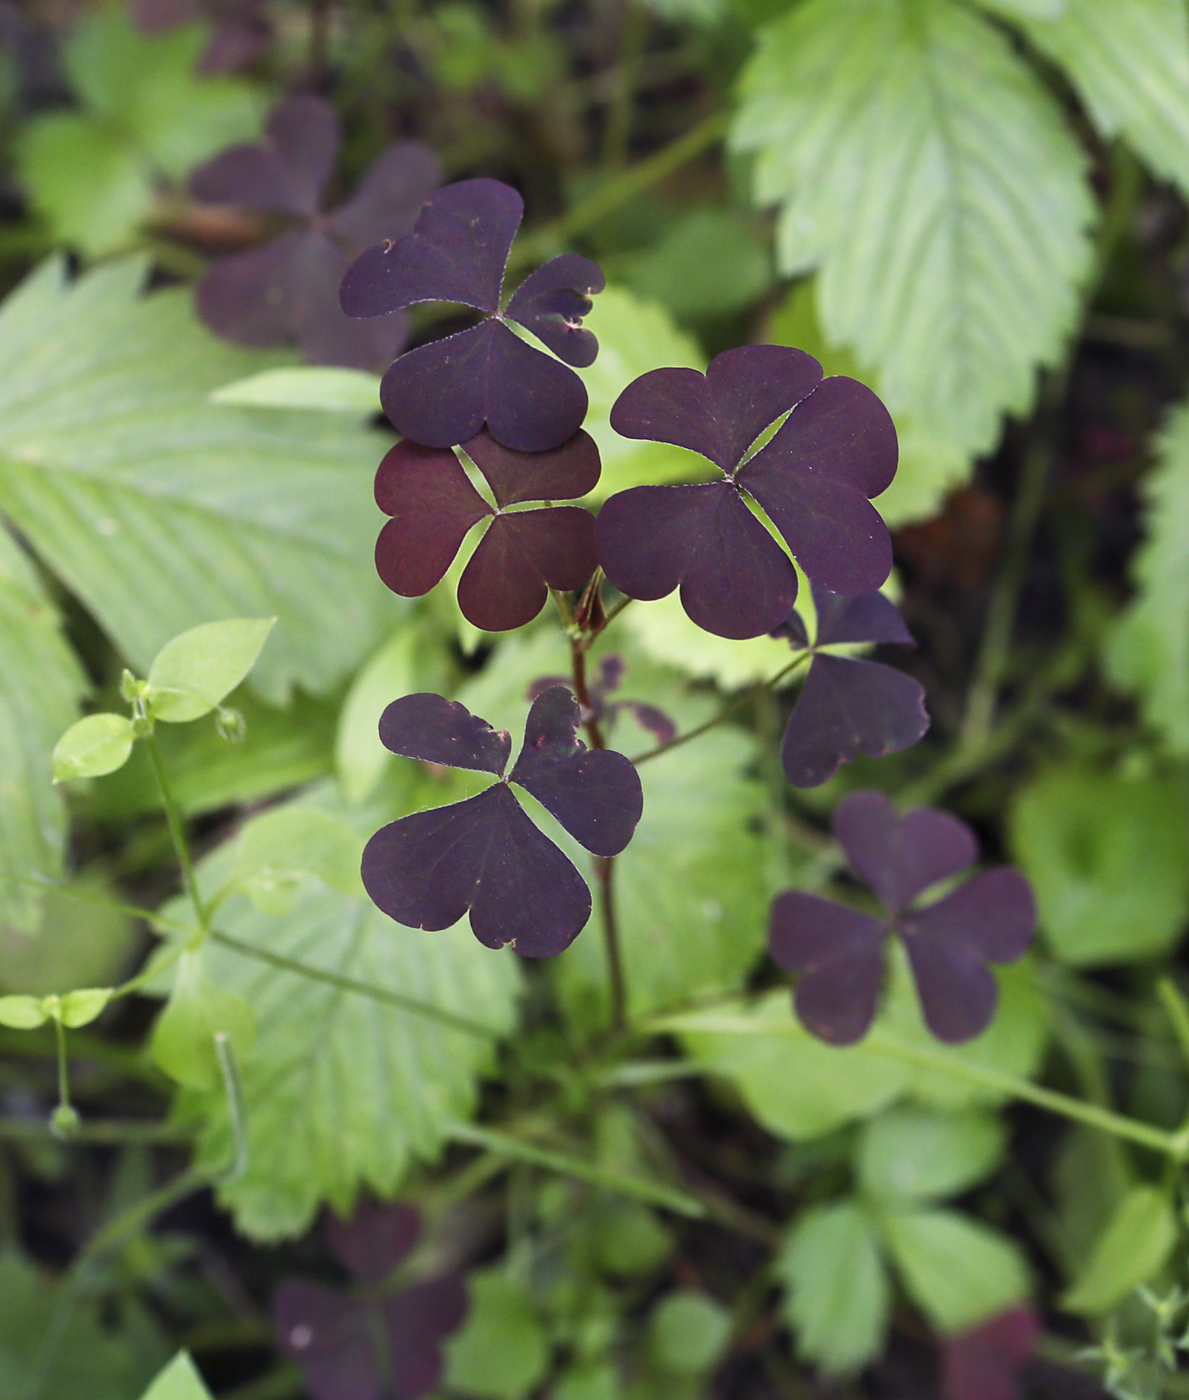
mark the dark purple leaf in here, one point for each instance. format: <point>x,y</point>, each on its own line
<point>329,1335</point>
<point>838,953</point>
<point>286,171</point>
<point>457,252</point>
<point>375,1239</point>
<point>483,855</point>
<point>386,200</point>
<point>735,579</point>
<point>720,413</point>
<point>899,857</point>
<point>611,672</point>
<point>507,580</point>
<point>563,474</point>
<point>868,617</point>
<point>416,1321</point>
<point>552,301</point>
<point>442,393</point>
<point>241,28</point>
<point>847,707</point>
<point>595,794</point>
<point>991,918</point>
<point>985,1362</point>
<point>658,724</point>
<point>437,730</point>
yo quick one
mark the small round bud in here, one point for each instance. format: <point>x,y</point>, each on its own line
<point>230,724</point>
<point>65,1122</point>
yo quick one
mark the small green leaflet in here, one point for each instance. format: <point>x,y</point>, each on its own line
<point>688,1332</point>
<point>198,1010</point>
<point>179,1381</point>
<point>501,1351</point>
<point>912,1153</point>
<point>161,510</point>
<point>926,173</point>
<point>191,674</point>
<point>1135,1244</point>
<point>93,746</point>
<point>41,684</point>
<point>145,113</point>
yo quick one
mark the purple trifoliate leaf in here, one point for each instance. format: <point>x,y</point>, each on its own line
<point>386,200</point>
<point>838,954</point>
<point>437,730</point>
<point>329,1335</point>
<point>595,794</point>
<point>373,1241</point>
<point>847,707</point>
<point>867,617</point>
<point>985,1362</point>
<point>286,171</point>
<point>551,303</point>
<point>562,474</point>
<point>507,580</point>
<point>900,857</point>
<point>416,1321</point>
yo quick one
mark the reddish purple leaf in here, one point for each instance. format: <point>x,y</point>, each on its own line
<point>437,730</point>
<point>838,953</point>
<point>375,1239</point>
<point>901,856</point>
<point>595,794</point>
<point>985,1362</point>
<point>506,583</point>
<point>847,707</point>
<point>735,579</point>
<point>720,413</point>
<point>606,682</point>
<point>659,725</point>
<point>442,393</point>
<point>563,474</point>
<point>286,171</point>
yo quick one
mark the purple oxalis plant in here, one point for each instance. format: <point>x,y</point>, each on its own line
<point>847,705</point>
<point>484,855</point>
<point>838,952</point>
<point>443,393</point>
<point>375,1342</point>
<point>601,708</point>
<point>287,289</point>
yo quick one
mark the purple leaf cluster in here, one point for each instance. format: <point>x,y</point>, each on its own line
<point>523,553</point>
<point>838,952</point>
<point>849,706</point>
<point>373,1343</point>
<point>484,855</point>
<point>240,28</point>
<point>605,683</point>
<point>813,479</point>
<point>287,289</point>
<point>444,393</point>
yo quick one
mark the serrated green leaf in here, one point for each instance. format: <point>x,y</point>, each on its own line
<point>958,1272</point>
<point>311,387</point>
<point>93,746</point>
<point>161,510</point>
<point>179,1381</point>
<point>198,1010</point>
<point>279,849</point>
<point>1148,650</point>
<point>193,672</point>
<point>911,1153</point>
<point>501,1351</point>
<point>667,634</point>
<point>928,175</point>
<point>1135,1244</point>
<point>1109,860</point>
<point>1130,66</point>
<point>836,1292</point>
<point>634,337</point>
<point>41,684</point>
<point>23,1013</point>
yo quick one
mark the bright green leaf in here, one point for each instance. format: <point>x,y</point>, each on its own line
<point>1109,861</point>
<point>192,673</point>
<point>501,1351</point>
<point>161,510</point>
<point>198,1009</point>
<point>837,1296</point>
<point>1130,65</point>
<point>81,1007</point>
<point>688,1332</point>
<point>958,1272</point>
<point>311,387</point>
<point>93,746</point>
<point>179,1381</point>
<point>667,634</point>
<point>1134,1246</point>
<point>634,337</point>
<point>83,941</point>
<point>927,174</point>
<point>1025,9</point>
<point>628,1238</point>
<point>917,1154</point>
<point>709,262</point>
<point>278,849</point>
<point>23,1013</point>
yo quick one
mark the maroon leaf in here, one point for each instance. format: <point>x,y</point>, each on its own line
<point>839,954</point>
<point>595,794</point>
<point>375,1239</point>
<point>901,856</point>
<point>506,583</point>
<point>563,474</point>
<point>985,1362</point>
<point>437,730</point>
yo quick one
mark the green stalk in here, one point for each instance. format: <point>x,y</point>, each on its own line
<point>177,830</point>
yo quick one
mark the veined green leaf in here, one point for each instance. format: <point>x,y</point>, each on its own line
<point>1138,1239</point>
<point>279,848</point>
<point>312,387</point>
<point>1130,65</point>
<point>161,510</point>
<point>928,175</point>
<point>193,672</point>
<point>93,746</point>
<point>917,1154</point>
<point>197,1011</point>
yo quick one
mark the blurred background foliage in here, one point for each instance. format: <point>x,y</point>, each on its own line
<point>977,208</point>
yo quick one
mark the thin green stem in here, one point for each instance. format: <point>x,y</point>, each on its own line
<point>350,984</point>
<point>177,830</point>
<point>618,130</point>
<point>63,1063</point>
<point>113,1131</point>
<point>730,708</point>
<point>1177,1012</point>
